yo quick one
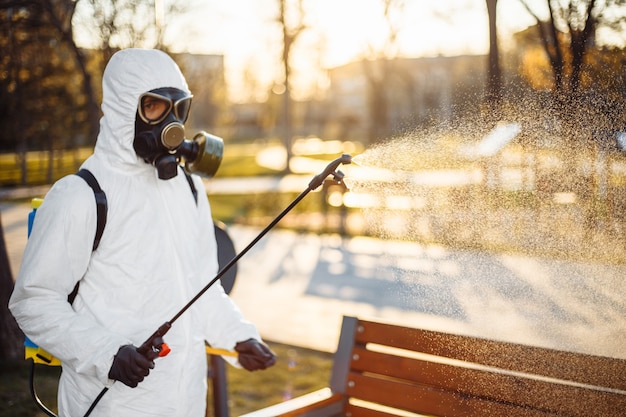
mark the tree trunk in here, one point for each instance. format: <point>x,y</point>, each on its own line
<point>494,74</point>
<point>61,18</point>
<point>286,131</point>
<point>11,337</point>
<point>578,46</point>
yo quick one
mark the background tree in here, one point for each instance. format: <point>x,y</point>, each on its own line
<point>111,25</point>
<point>572,62</point>
<point>569,32</point>
<point>494,74</point>
<point>290,19</point>
<point>378,70</point>
<point>43,109</point>
<point>61,13</point>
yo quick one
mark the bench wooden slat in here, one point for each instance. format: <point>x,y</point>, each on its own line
<point>384,370</point>
<point>584,369</point>
<point>355,410</point>
<point>487,384</point>
<point>428,400</point>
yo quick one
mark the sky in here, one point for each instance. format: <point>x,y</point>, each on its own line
<point>340,31</point>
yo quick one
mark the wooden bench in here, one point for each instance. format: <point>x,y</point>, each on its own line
<point>384,370</point>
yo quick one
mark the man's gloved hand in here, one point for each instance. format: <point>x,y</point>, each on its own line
<point>131,367</point>
<point>254,355</point>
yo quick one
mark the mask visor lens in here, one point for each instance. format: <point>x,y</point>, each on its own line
<point>181,109</point>
<point>153,108</point>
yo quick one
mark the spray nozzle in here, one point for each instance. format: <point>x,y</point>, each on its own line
<point>331,169</point>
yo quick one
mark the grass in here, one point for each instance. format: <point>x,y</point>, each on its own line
<point>15,398</point>
<point>40,169</point>
<point>297,371</point>
<point>238,161</point>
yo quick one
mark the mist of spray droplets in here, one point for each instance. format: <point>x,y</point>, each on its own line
<point>492,214</point>
<point>537,192</point>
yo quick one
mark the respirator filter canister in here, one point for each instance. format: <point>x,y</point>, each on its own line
<point>205,156</point>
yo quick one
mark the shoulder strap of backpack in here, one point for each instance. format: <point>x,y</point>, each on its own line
<point>101,204</point>
<point>101,213</point>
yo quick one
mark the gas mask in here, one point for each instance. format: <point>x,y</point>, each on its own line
<point>160,136</point>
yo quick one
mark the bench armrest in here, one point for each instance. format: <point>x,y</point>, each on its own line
<point>321,403</point>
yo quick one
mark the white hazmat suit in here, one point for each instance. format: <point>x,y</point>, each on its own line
<point>157,251</point>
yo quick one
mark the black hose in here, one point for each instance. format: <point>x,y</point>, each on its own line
<point>96,401</point>
<point>33,392</point>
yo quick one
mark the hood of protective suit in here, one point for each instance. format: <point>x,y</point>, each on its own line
<point>130,73</point>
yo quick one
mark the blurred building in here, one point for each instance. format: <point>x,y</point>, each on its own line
<point>370,99</point>
<point>366,100</point>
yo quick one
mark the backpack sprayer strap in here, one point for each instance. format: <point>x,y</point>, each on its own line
<point>101,214</point>
<point>101,203</point>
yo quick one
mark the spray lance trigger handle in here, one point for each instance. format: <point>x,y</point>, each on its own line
<point>164,350</point>
<point>160,347</point>
<point>155,344</point>
<point>338,176</point>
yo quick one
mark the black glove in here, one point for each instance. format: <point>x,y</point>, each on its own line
<point>254,355</point>
<point>131,367</point>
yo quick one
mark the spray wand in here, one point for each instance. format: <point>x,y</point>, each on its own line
<point>155,342</point>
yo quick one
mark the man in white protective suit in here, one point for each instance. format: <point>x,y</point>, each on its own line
<point>157,251</point>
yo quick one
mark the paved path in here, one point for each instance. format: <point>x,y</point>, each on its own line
<point>296,287</point>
